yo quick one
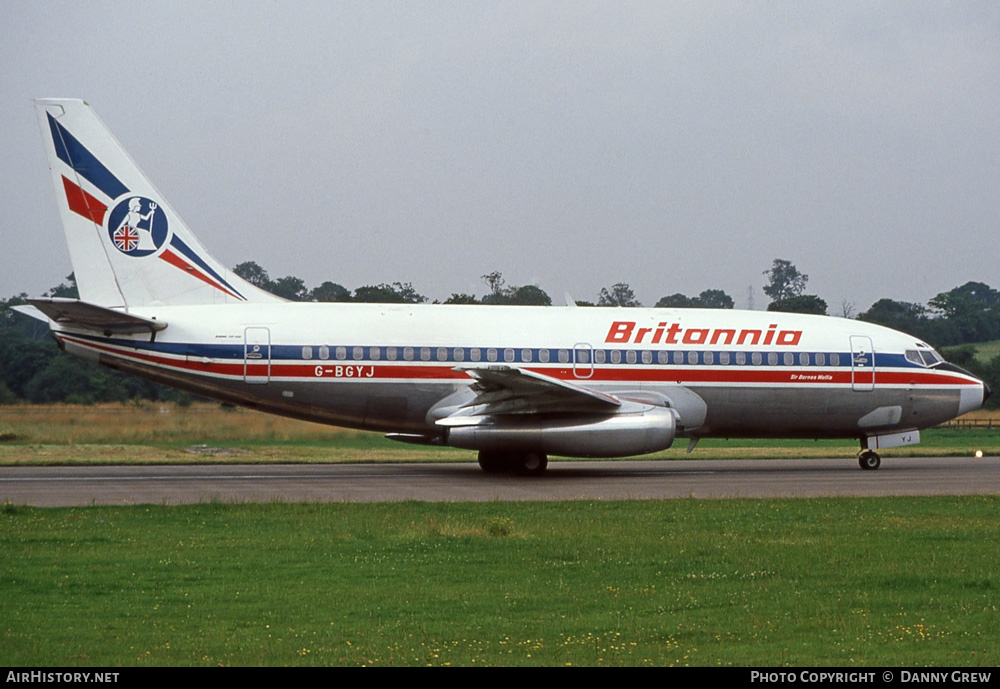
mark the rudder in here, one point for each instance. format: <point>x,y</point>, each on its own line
<point>127,245</point>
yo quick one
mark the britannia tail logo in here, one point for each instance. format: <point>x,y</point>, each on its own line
<point>137,226</point>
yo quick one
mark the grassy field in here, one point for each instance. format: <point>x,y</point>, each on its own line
<point>845,582</point>
<point>162,433</point>
<point>986,351</point>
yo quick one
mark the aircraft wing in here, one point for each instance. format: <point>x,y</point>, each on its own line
<point>500,390</point>
<point>80,314</point>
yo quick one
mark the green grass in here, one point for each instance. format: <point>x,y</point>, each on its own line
<point>986,351</point>
<point>165,434</point>
<point>847,582</point>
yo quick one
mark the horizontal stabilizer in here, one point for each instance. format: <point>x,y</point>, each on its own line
<point>74,313</point>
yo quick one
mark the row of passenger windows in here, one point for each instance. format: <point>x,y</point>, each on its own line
<point>565,356</point>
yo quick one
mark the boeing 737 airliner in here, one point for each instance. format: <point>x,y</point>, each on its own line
<point>514,383</point>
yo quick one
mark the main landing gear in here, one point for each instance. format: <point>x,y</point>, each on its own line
<point>521,463</point>
<point>869,460</point>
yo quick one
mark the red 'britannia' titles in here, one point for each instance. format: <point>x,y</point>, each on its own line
<point>627,332</point>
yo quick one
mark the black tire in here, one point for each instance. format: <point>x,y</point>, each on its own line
<point>531,463</point>
<point>493,462</point>
<point>869,461</point>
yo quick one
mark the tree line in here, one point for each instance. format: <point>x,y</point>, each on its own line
<point>31,368</point>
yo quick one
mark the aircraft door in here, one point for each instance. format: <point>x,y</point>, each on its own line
<point>256,356</point>
<point>862,364</point>
<point>583,360</point>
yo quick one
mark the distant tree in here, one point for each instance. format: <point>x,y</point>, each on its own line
<point>715,299</point>
<point>675,301</point>
<point>501,293</point>
<point>461,299</point>
<point>620,294</point>
<point>396,293</point>
<point>253,273</point>
<point>803,303</point>
<point>784,280</point>
<point>290,287</point>
<point>66,290</point>
<point>709,299</point>
<point>530,295</point>
<point>971,313</point>
<point>907,317</point>
<point>889,313</point>
<point>495,282</point>
<point>330,291</point>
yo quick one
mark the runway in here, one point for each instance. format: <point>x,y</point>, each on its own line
<point>565,480</point>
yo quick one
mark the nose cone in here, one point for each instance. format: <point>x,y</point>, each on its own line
<point>973,397</point>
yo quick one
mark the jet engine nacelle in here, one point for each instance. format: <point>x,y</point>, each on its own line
<point>638,430</point>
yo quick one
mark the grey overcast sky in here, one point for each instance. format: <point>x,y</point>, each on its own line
<point>676,146</point>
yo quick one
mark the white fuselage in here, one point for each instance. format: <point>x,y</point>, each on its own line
<point>384,367</point>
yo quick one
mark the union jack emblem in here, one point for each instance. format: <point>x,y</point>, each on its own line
<point>126,238</point>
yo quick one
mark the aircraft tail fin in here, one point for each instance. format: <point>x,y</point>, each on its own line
<point>127,245</point>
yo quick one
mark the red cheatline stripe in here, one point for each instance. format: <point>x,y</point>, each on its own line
<point>175,260</point>
<point>83,203</point>
<point>303,371</point>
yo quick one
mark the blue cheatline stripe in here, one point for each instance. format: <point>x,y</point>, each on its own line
<point>295,353</point>
<point>189,252</point>
<point>76,155</point>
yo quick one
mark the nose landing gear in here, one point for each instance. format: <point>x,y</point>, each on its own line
<point>869,460</point>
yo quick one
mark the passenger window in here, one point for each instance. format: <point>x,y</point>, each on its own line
<point>425,353</point>
<point>772,358</point>
<point>678,357</point>
<point>375,353</point>
<point>543,356</point>
<point>616,356</point>
<point>442,354</point>
<point>582,356</point>
<point>459,354</point>
<point>757,358</point>
<point>630,356</point>
<point>600,356</point>
<point>661,357</point>
<point>408,353</point>
<point>390,353</point>
<point>324,352</point>
<point>563,356</point>
<point>820,359</point>
<point>789,359</point>
<point>835,359</point>
<point>526,355</point>
<point>359,353</point>
<point>692,358</point>
<point>307,352</point>
<point>647,356</point>
<point>491,354</point>
<point>342,353</point>
<point>724,358</point>
<point>475,354</point>
<point>741,358</point>
<point>709,358</point>
<point>508,355</point>
<point>803,359</point>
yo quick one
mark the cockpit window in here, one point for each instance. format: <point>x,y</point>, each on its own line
<point>930,357</point>
<point>923,357</point>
